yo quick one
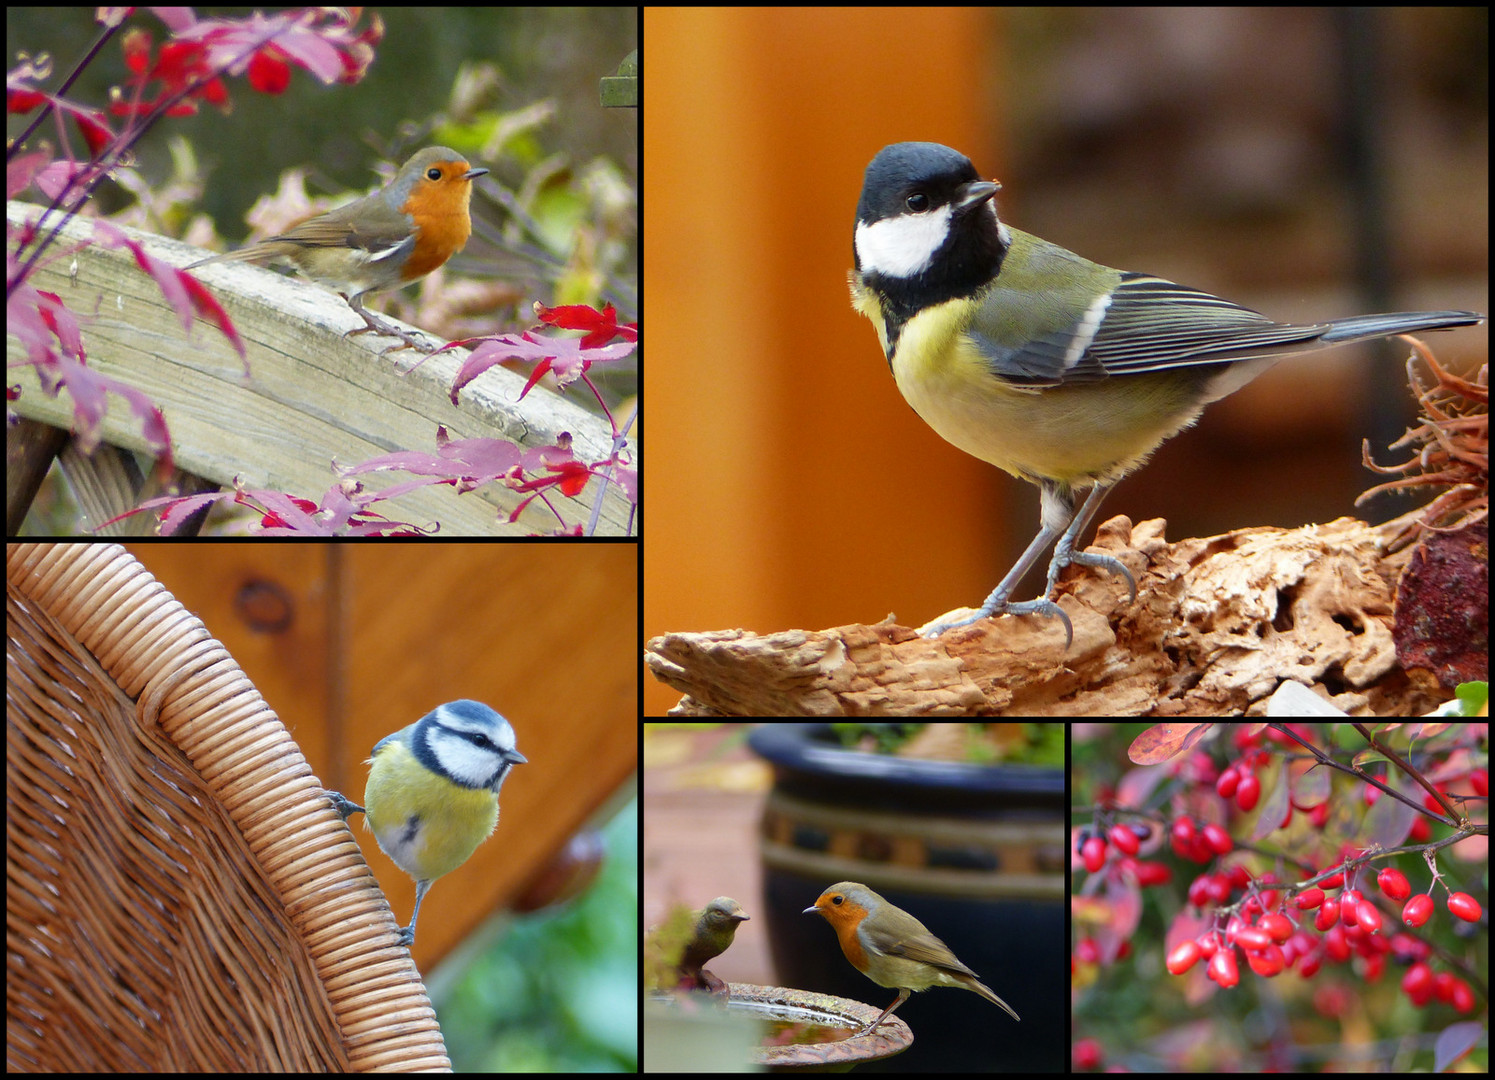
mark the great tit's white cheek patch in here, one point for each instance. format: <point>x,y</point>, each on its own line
<point>902,246</point>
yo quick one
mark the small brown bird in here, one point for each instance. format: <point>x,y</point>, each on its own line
<point>892,948</point>
<point>386,240</point>
<point>715,927</point>
<point>712,929</point>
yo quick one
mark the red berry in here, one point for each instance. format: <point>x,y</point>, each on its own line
<point>1094,853</point>
<point>1277,926</point>
<point>1417,910</point>
<point>1336,945</point>
<point>1087,1054</point>
<point>1268,962</point>
<point>1152,873</point>
<point>1464,906</point>
<point>1480,780</point>
<point>1247,794</point>
<point>1406,949</point>
<point>1183,837</point>
<point>1328,915</point>
<point>1218,839</point>
<point>1183,958</point>
<point>1394,883</point>
<point>1418,980</point>
<point>1309,899</point>
<point>1223,968</point>
<point>1253,937</point>
<point>1123,837</point>
<point>1368,917</point>
<point>1226,785</point>
<point>1349,900</point>
<point>1463,997</point>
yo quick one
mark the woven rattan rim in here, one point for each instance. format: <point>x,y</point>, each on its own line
<point>180,893</point>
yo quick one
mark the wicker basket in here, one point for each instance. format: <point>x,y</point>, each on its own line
<point>179,894</point>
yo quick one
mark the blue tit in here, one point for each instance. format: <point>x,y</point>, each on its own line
<point>432,795</point>
<point>1063,372</point>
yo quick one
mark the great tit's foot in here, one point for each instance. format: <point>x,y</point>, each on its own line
<point>1098,562</point>
<point>406,936</point>
<point>998,604</point>
<point>995,606</point>
<point>343,805</point>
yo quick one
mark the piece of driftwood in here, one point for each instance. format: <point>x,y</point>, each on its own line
<point>1219,623</point>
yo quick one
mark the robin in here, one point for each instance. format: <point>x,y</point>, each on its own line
<point>711,931</point>
<point>386,240</point>
<point>892,948</point>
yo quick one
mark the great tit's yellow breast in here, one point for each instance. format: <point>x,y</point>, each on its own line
<point>426,823</point>
<point>865,300</point>
<point>1075,433</point>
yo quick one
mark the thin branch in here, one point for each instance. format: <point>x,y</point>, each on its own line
<point>1406,767</point>
<point>1324,759</point>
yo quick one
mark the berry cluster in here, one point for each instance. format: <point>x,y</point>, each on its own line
<point>1239,913</point>
<point>1350,923</point>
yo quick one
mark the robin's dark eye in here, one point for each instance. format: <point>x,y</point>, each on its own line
<point>837,899</point>
<point>918,202</point>
<point>433,173</point>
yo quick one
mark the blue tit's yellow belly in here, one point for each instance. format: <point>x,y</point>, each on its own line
<point>426,823</point>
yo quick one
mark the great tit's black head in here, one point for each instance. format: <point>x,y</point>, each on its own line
<point>926,229</point>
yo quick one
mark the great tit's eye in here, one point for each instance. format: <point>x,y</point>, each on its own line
<point>918,202</point>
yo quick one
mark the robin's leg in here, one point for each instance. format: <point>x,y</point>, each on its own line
<point>902,997</point>
<point>374,324</point>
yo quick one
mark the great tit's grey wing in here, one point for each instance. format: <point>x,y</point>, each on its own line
<point>1052,317</point>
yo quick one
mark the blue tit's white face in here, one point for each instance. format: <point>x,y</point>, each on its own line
<point>466,742</point>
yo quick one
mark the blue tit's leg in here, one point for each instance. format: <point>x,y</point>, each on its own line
<point>343,805</point>
<point>407,933</point>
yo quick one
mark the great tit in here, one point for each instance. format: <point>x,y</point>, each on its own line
<point>1063,372</point>
<point>432,795</point>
